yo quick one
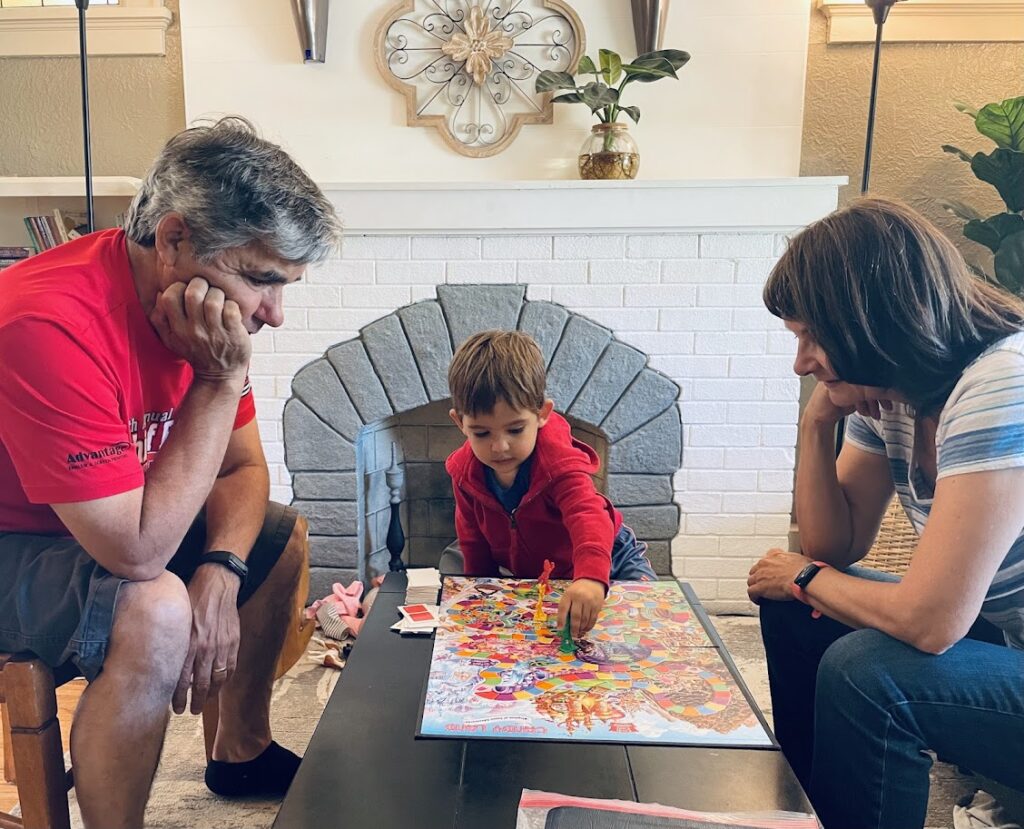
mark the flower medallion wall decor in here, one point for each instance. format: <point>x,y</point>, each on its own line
<point>468,67</point>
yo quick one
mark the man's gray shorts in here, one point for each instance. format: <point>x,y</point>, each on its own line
<point>58,603</point>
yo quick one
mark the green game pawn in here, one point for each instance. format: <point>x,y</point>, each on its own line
<point>567,646</point>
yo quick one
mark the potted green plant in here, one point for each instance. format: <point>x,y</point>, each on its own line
<point>1003,168</point>
<point>610,151</point>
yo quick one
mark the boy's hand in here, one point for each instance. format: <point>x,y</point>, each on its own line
<point>584,599</point>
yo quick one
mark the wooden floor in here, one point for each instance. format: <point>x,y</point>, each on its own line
<point>67,700</point>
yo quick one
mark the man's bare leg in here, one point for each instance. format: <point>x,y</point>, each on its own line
<point>118,728</point>
<point>243,731</point>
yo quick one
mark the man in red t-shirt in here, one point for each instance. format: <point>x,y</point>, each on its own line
<point>125,413</point>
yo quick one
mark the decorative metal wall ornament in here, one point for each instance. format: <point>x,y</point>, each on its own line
<point>468,66</point>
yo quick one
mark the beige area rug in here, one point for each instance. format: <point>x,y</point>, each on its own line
<point>180,800</point>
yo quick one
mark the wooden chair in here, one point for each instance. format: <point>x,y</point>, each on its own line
<point>32,745</point>
<point>33,754</point>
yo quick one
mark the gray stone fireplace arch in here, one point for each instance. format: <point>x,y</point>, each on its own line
<point>398,364</point>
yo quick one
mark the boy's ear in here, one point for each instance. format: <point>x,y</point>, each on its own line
<point>454,415</point>
<point>545,412</point>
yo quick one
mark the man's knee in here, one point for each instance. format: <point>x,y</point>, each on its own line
<point>153,621</point>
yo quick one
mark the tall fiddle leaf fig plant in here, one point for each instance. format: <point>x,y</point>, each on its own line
<point>1003,168</point>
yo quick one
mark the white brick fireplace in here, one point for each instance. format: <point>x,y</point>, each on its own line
<point>673,269</point>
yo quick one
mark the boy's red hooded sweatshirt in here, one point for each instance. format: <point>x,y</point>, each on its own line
<point>561,517</point>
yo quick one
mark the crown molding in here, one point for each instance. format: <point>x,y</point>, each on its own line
<point>138,28</point>
<point>927,21</point>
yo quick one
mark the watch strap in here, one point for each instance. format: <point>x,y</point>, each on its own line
<point>798,588</point>
<point>229,560</point>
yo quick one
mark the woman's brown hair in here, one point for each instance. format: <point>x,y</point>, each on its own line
<point>890,300</point>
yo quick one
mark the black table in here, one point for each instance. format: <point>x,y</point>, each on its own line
<point>364,767</point>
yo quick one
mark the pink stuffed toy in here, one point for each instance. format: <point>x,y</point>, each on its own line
<point>341,614</point>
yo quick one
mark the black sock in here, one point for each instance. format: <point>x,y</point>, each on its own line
<point>269,774</point>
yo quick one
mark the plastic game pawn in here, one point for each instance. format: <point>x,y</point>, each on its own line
<point>539,616</point>
<point>567,646</point>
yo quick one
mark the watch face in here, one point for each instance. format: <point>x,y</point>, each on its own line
<point>803,578</point>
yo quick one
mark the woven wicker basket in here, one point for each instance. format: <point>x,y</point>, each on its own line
<point>895,543</point>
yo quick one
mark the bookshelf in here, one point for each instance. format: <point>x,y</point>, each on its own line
<point>22,196</point>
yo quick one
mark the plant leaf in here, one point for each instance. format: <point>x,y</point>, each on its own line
<point>949,148</point>
<point>648,72</point>
<point>632,112</point>
<point>568,98</point>
<point>611,66</point>
<point>1004,170</point>
<point>1003,123</point>
<point>966,109</point>
<point>992,231</point>
<point>548,80</point>
<point>586,66</point>
<point>597,95</point>
<point>1010,263</point>
<point>676,57</point>
<point>961,210</point>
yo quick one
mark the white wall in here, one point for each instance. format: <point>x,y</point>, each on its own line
<point>736,111</point>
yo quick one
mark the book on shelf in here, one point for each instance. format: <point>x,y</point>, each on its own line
<point>47,232</point>
<point>12,255</point>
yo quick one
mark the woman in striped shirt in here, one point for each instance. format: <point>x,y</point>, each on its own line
<point>927,363</point>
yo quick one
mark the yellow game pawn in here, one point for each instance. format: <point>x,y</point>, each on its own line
<point>539,616</point>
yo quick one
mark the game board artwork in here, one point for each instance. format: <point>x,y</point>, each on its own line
<point>647,673</point>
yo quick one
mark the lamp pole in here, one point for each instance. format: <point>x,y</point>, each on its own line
<point>880,12</point>
<point>83,62</point>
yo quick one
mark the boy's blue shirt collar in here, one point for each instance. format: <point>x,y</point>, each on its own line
<point>510,498</point>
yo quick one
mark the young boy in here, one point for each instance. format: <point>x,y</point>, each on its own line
<point>523,491</point>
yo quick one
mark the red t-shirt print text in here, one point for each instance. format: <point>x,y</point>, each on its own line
<point>156,428</point>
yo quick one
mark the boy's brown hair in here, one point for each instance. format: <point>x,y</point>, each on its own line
<point>497,365</point>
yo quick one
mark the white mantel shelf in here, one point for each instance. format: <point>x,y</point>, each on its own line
<point>523,207</point>
<point>31,187</point>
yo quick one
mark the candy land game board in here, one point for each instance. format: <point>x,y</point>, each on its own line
<point>647,673</point>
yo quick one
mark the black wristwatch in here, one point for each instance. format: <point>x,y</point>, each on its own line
<point>803,578</point>
<point>229,560</point>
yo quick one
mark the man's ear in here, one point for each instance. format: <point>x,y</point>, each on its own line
<point>545,412</point>
<point>172,237</point>
<point>454,415</point>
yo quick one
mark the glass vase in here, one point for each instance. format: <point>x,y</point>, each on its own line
<point>609,153</point>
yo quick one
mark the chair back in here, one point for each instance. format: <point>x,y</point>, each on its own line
<point>896,541</point>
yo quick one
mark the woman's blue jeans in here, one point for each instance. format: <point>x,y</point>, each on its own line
<point>856,710</point>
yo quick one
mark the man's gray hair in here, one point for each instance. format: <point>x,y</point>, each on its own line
<point>234,188</point>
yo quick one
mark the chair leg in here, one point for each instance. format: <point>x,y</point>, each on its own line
<point>211,717</point>
<point>35,740</point>
<point>10,775</point>
<point>300,629</point>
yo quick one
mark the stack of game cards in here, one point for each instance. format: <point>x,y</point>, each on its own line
<point>417,618</point>
<point>424,584</point>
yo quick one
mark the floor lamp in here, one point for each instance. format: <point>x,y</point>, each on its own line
<point>880,11</point>
<point>83,62</point>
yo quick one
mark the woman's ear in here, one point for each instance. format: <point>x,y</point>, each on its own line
<point>545,412</point>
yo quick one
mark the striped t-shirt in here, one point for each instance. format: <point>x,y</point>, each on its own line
<point>981,427</point>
